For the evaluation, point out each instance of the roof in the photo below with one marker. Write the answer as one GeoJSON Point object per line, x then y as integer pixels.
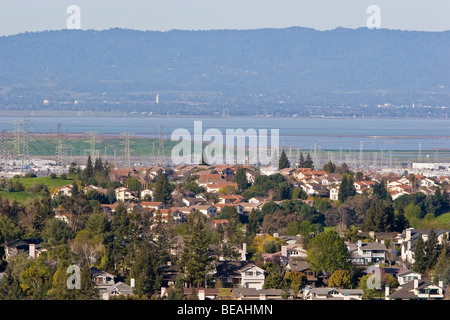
{"type": "Point", "coordinates": [150, 203]}
{"type": "Point", "coordinates": [230, 268]}
{"type": "Point", "coordinates": [253, 292]}
{"type": "Point", "coordinates": [121, 287]}
{"type": "Point", "coordinates": [406, 291]}
{"type": "Point", "coordinates": [298, 265]}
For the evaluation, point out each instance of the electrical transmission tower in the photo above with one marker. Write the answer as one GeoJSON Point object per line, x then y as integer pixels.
{"type": "Point", "coordinates": [16, 154]}
{"type": "Point", "coordinates": [59, 145]}
{"type": "Point", "coordinates": [126, 162]}
{"type": "Point", "coordinates": [161, 152]}
{"type": "Point", "coordinates": [93, 151]}
{"type": "Point", "coordinates": [4, 159]}
{"type": "Point", "coordinates": [25, 139]}
{"type": "Point", "coordinates": [361, 146]}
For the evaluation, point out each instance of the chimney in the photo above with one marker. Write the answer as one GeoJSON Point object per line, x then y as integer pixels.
{"type": "Point", "coordinates": [284, 251]}
{"type": "Point", "coordinates": [244, 252]}
{"type": "Point", "coordinates": [359, 244]}
{"type": "Point", "coordinates": [441, 287]}
{"type": "Point", "coordinates": [416, 283]}
{"type": "Point", "coordinates": [32, 250]}
{"type": "Point", "coordinates": [386, 292]}
{"type": "Point", "coordinates": [408, 234]}
{"type": "Point", "coordinates": [262, 296]}
{"type": "Point", "coordinates": [132, 283]}
{"type": "Point", "coordinates": [201, 294]}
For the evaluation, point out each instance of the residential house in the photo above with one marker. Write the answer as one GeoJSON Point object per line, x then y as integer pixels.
{"type": "Point", "coordinates": [117, 289]}
{"type": "Point", "coordinates": [30, 246]}
{"type": "Point", "coordinates": [191, 201]}
{"type": "Point", "coordinates": [241, 274]}
{"type": "Point", "coordinates": [407, 276]}
{"type": "Point", "coordinates": [418, 290]}
{"type": "Point", "coordinates": [146, 192]}
{"type": "Point", "coordinates": [102, 280]}
{"type": "Point", "coordinates": [259, 200]}
{"type": "Point", "coordinates": [260, 294]}
{"type": "Point", "coordinates": [334, 193]}
{"type": "Point", "coordinates": [225, 170]}
{"type": "Point", "coordinates": [95, 188]}
{"type": "Point", "coordinates": [409, 237]}
{"type": "Point", "coordinates": [237, 206]}
{"type": "Point", "coordinates": [64, 191]}
{"type": "Point", "coordinates": [124, 194]}
{"type": "Point", "coordinates": [233, 198]}
{"type": "Point", "coordinates": [363, 253]}
{"type": "Point", "coordinates": [293, 250]}
{"type": "Point", "coordinates": [333, 294]}
{"type": "Point", "coordinates": [208, 210]}
{"type": "Point", "coordinates": [215, 187]}
{"type": "Point", "coordinates": [302, 266]}
{"type": "Point", "coordinates": [153, 205]}
{"type": "Point", "coordinates": [169, 274]}
{"type": "Point", "coordinates": [248, 207]}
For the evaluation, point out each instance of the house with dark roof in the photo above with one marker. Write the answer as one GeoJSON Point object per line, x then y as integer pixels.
{"type": "Point", "coordinates": [302, 266]}
{"type": "Point", "coordinates": [408, 239]}
{"type": "Point", "coordinates": [363, 253]}
{"type": "Point", "coordinates": [418, 290]}
{"type": "Point", "coordinates": [239, 274]}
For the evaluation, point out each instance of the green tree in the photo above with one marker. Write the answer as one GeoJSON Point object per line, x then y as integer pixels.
{"type": "Point", "coordinates": [241, 179]}
{"type": "Point", "coordinates": [327, 253]}
{"type": "Point", "coordinates": [10, 287]}
{"type": "Point", "coordinates": [195, 260]}
{"type": "Point", "coordinates": [144, 271]}
{"type": "Point", "coordinates": [9, 231]}
{"type": "Point", "coordinates": [309, 163]}
{"type": "Point", "coordinates": [162, 190]}
{"type": "Point", "coordinates": [56, 232]}
{"type": "Point", "coordinates": [301, 161]}
{"type": "Point", "coordinates": [284, 161]}
{"type": "Point", "coordinates": [340, 279]}
{"type": "Point", "coordinates": [380, 190]}
{"type": "Point", "coordinates": [296, 280]}
{"type": "Point", "coordinates": [420, 263]}
{"type": "Point", "coordinates": [369, 293]}
{"type": "Point", "coordinates": [346, 189]}
{"type": "Point", "coordinates": [134, 184]}
{"type": "Point", "coordinates": [329, 167]}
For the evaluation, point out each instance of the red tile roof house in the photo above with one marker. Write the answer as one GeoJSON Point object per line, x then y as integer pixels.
{"type": "Point", "coordinates": [152, 205]}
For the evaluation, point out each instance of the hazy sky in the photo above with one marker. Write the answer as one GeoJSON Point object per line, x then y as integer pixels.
{"type": "Point", "coordinates": [18, 16]}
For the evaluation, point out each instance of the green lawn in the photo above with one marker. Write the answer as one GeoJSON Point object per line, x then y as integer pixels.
{"type": "Point", "coordinates": [19, 196]}
{"type": "Point", "coordinates": [444, 218]}
{"type": "Point", "coordinates": [49, 182]}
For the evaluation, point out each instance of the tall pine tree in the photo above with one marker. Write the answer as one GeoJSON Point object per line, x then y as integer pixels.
{"type": "Point", "coordinates": [284, 161]}
{"type": "Point", "coordinates": [301, 161]}
{"type": "Point", "coordinates": [309, 163]}
{"type": "Point", "coordinates": [162, 190]}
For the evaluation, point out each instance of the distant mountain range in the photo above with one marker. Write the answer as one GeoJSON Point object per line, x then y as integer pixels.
{"type": "Point", "coordinates": [277, 71]}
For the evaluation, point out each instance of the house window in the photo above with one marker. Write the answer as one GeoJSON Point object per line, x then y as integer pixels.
{"type": "Point", "coordinates": [249, 273]}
